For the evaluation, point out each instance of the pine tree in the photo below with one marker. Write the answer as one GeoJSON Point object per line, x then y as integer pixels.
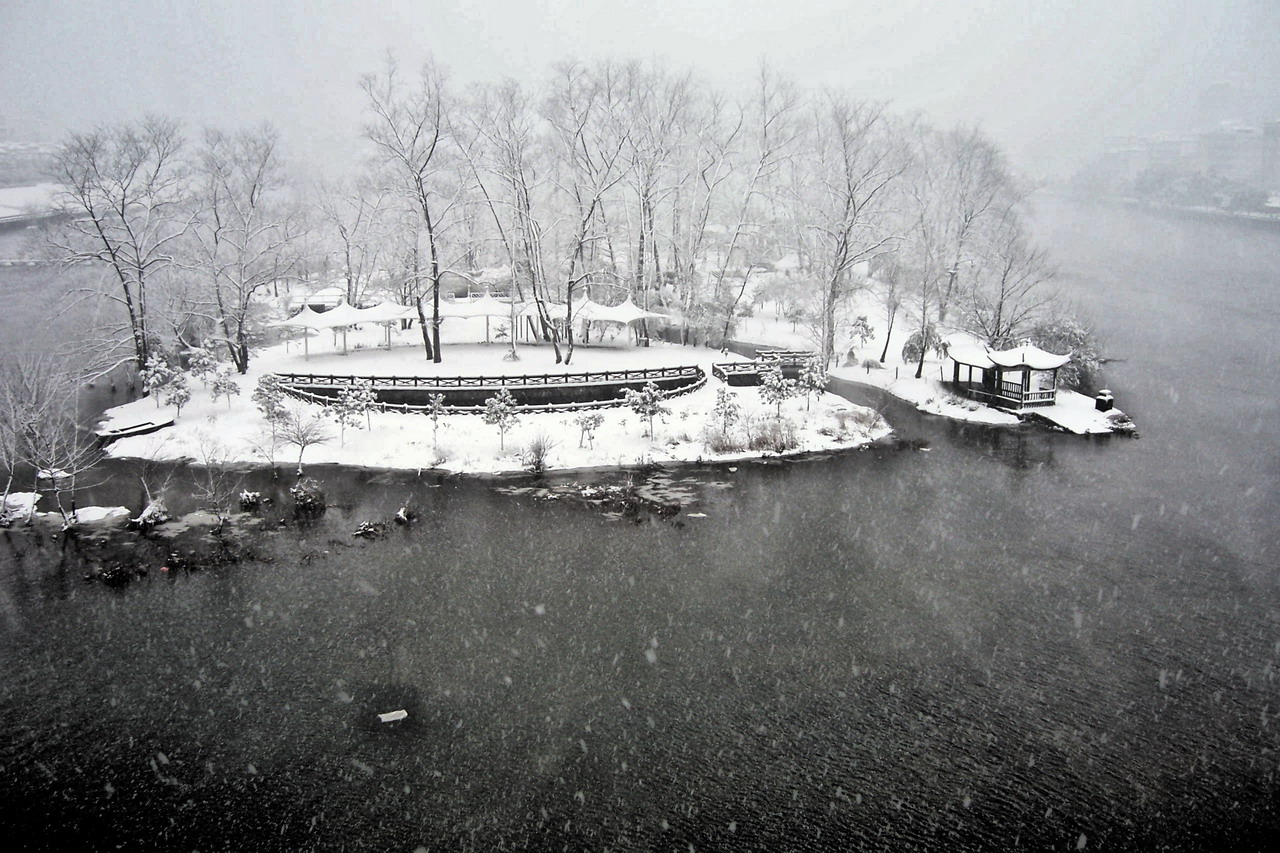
{"type": "Point", "coordinates": [647, 403]}
{"type": "Point", "coordinates": [726, 409]}
{"type": "Point", "coordinates": [224, 385]}
{"type": "Point", "coordinates": [813, 379]}
{"type": "Point", "coordinates": [176, 391]}
{"type": "Point", "coordinates": [500, 411]}
{"type": "Point", "coordinates": [434, 409]}
{"type": "Point", "coordinates": [775, 389]}
{"type": "Point", "coordinates": [588, 423]}
{"type": "Point", "coordinates": [155, 374]}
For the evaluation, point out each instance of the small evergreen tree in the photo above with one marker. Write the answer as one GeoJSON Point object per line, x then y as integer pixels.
{"type": "Point", "coordinates": [588, 423]}
{"type": "Point", "coordinates": [434, 409]}
{"type": "Point", "coordinates": [176, 391]}
{"type": "Point", "coordinates": [353, 401]}
{"type": "Point", "coordinates": [775, 389]}
{"type": "Point", "coordinates": [155, 374]}
{"type": "Point", "coordinates": [202, 362]}
{"type": "Point", "coordinates": [268, 397]}
{"type": "Point", "coordinates": [224, 385]}
{"type": "Point", "coordinates": [813, 379]}
{"type": "Point", "coordinates": [647, 403]}
{"type": "Point", "coordinates": [726, 409]}
{"type": "Point", "coordinates": [500, 411]}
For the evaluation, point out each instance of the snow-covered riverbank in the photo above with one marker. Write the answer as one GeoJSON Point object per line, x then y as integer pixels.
{"type": "Point", "coordinates": [234, 432]}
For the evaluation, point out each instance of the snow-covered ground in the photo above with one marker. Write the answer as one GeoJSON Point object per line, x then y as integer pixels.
{"type": "Point", "coordinates": [16, 201]}
{"type": "Point", "coordinates": [218, 432]}
{"type": "Point", "coordinates": [928, 394]}
{"type": "Point", "coordinates": [19, 506]}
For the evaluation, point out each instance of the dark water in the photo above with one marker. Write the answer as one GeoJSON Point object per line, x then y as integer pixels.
{"type": "Point", "coordinates": [1012, 640]}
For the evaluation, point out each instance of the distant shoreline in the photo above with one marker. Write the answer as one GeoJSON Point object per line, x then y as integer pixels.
{"type": "Point", "coordinates": [1212, 214]}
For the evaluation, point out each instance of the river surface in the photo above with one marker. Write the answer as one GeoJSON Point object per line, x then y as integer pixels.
{"type": "Point", "coordinates": [1009, 640]}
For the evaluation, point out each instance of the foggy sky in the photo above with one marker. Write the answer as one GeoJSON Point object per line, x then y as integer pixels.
{"type": "Point", "coordinates": [1047, 79]}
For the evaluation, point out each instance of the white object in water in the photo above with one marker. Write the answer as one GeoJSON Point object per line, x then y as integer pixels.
{"type": "Point", "coordinates": [392, 716]}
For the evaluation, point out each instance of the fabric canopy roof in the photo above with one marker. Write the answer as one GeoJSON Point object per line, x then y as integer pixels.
{"type": "Point", "coordinates": [385, 312]}
{"type": "Point", "coordinates": [627, 312]}
{"type": "Point", "coordinates": [305, 319]}
{"type": "Point", "coordinates": [345, 315]}
{"type": "Point", "coordinates": [485, 306]}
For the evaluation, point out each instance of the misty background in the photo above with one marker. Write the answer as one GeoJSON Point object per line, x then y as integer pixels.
{"type": "Point", "coordinates": [1052, 82]}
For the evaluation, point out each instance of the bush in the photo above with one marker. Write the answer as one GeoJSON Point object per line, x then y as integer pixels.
{"type": "Point", "coordinates": [872, 364]}
{"type": "Point", "coordinates": [911, 349]}
{"type": "Point", "coordinates": [862, 417]}
{"type": "Point", "coordinates": [775, 434]}
{"type": "Point", "coordinates": [1066, 334]}
{"type": "Point", "coordinates": [535, 453]}
{"type": "Point", "coordinates": [719, 441]}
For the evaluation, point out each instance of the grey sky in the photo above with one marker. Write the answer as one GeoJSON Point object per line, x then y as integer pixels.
{"type": "Point", "coordinates": [1045, 78]}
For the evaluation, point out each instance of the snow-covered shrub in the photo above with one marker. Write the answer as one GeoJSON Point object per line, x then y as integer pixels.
{"type": "Point", "coordinates": [588, 423]}
{"type": "Point", "coordinates": [775, 434]}
{"type": "Point", "coordinates": [1064, 334]}
{"type": "Point", "coordinates": [353, 402]}
{"type": "Point", "coordinates": [872, 364]}
{"type": "Point", "coordinates": [813, 379]}
{"type": "Point", "coordinates": [308, 499]}
{"type": "Point", "coordinates": [721, 441]}
{"type": "Point", "coordinates": [268, 396]}
{"type": "Point", "coordinates": [500, 411]}
{"type": "Point", "coordinates": [647, 403]}
{"type": "Point", "coordinates": [201, 362]}
{"type": "Point", "coordinates": [726, 410]}
{"type": "Point", "coordinates": [155, 374]}
{"type": "Point", "coordinates": [776, 390]}
{"type": "Point", "coordinates": [536, 453]}
{"type": "Point", "coordinates": [176, 392]}
{"type": "Point", "coordinates": [911, 350]}
{"type": "Point", "coordinates": [224, 384]}
{"type": "Point", "coordinates": [434, 409]}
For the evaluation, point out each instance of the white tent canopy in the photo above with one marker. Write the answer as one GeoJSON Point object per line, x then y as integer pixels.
{"type": "Point", "coordinates": [485, 306]}
{"type": "Point", "coordinates": [626, 313]}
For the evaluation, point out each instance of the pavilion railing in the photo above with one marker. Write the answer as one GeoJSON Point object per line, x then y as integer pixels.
{"type": "Point", "coordinates": [1008, 394]}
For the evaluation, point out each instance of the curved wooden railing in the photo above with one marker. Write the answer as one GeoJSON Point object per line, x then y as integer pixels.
{"type": "Point", "coordinates": [304, 386]}
{"type": "Point", "coordinates": [331, 380]}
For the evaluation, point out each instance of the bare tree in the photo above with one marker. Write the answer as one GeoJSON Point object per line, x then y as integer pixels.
{"type": "Point", "coordinates": [124, 189]}
{"type": "Point", "coordinates": [244, 230]}
{"type": "Point", "coordinates": [975, 182]}
{"type": "Point", "coordinates": [215, 486]}
{"type": "Point", "coordinates": [303, 427]}
{"type": "Point", "coordinates": [774, 106]}
{"type": "Point", "coordinates": [584, 110]}
{"type": "Point", "coordinates": [408, 130]}
{"type": "Point", "coordinates": [843, 197]}
{"type": "Point", "coordinates": [38, 427]}
{"type": "Point", "coordinates": [356, 216]}
{"type": "Point", "coordinates": [1009, 295]}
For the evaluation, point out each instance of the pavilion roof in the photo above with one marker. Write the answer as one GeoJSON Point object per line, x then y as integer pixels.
{"type": "Point", "coordinates": [1027, 355]}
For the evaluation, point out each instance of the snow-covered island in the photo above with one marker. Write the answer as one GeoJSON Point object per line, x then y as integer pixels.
{"type": "Point", "coordinates": [716, 422]}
